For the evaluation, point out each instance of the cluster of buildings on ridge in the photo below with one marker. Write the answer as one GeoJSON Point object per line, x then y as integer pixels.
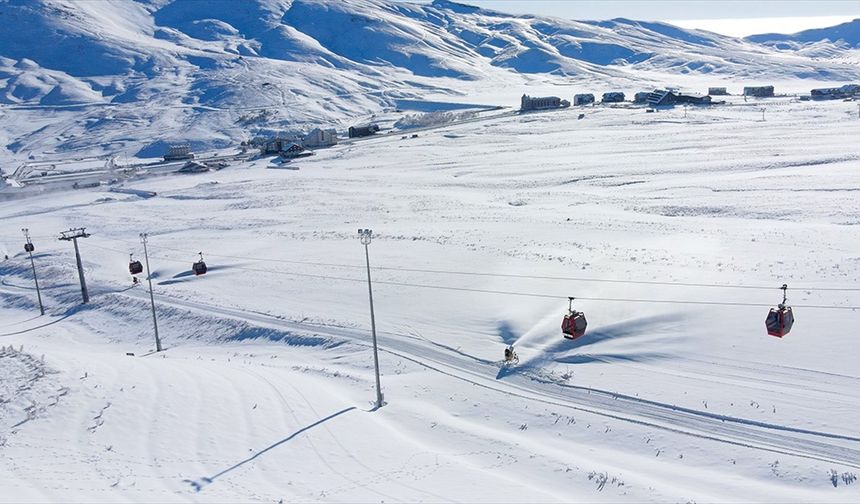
{"type": "Point", "coordinates": [282, 144]}
{"type": "Point", "coordinates": [290, 147]}
{"type": "Point", "coordinates": [673, 96]}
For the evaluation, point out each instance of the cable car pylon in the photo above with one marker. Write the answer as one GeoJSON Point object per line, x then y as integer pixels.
{"type": "Point", "coordinates": [72, 235]}
{"type": "Point", "coordinates": [143, 240]}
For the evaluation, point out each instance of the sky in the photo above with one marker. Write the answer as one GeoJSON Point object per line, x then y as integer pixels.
{"type": "Point", "coordinates": [728, 17]}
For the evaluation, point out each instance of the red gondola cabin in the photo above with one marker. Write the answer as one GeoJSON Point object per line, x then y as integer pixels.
{"type": "Point", "coordinates": [780, 319]}
{"type": "Point", "coordinates": [573, 325]}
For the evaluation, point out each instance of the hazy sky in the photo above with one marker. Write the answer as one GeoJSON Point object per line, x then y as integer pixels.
{"type": "Point", "coordinates": [730, 17]}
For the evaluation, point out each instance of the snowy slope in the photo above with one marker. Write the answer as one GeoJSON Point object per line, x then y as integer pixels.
{"type": "Point", "coordinates": [846, 33]}
{"type": "Point", "coordinates": [126, 76]}
{"type": "Point", "coordinates": [836, 44]}
{"type": "Point", "coordinates": [482, 230]}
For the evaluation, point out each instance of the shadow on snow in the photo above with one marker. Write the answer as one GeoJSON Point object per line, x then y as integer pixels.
{"type": "Point", "coordinates": [198, 485]}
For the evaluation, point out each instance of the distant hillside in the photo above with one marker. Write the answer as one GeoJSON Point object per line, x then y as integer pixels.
{"type": "Point", "coordinates": [845, 33]}
{"type": "Point", "coordinates": [125, 74]}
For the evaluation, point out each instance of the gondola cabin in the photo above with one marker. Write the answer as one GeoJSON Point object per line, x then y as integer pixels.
{"type": "Point", "coordinates": [135, 268]}
{"type": "Point", "coordinates": [780, 319]}
{"type": "Point", "coordinates": [199, 267]}
{"type": "Point", "coordinates": [573, 325]}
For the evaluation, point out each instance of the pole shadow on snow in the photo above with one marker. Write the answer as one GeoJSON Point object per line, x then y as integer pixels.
{"type": "Point", "coordinates": [202, 482]}
{"type": "Point", "coordinates": [63, 317]}
{"type": "Point", "coordinates": [25, 320]}
{"type": "Point", "coordinates": [564, 351]}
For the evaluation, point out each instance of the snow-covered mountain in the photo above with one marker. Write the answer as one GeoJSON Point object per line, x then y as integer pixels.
{"type": "Point", "coordinates": [840, 43]}
{"type": "Point", "coordinates": [847, 34]}
{"type": "Point", "coordinates": [213, 71]}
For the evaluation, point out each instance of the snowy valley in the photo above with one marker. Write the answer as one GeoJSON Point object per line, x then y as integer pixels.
{"type": "Point", "coordinates": [673, 229]}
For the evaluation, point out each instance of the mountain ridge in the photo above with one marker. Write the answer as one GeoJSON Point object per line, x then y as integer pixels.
{"type": "Point", "coordinates": [846, 33]}
{"type": "Point", "coordinates": [193, 67]}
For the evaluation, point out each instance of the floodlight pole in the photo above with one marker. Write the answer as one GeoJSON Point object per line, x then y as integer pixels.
{"type": "Point", "coordinates": [28, 246]}
{"type": "Point", "coordinates": [366, 235]}
{"type": "Point", "coordinates": [143, 237]}
{"type": "Point", "coordinates": [72, 235]}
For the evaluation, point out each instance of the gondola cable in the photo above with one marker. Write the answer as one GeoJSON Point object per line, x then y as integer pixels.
{"type": "Point", "coordinates": [522, 276]}
{"type": "Point", "coordinates": [510, 293]}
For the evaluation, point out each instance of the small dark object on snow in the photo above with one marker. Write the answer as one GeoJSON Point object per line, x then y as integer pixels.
{"type": "Point", "coordinates": [511, 356]}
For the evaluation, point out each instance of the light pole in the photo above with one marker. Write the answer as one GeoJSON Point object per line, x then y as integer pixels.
{"type": "Point", "coordinates": [366, 235]}
{"type": "Point", "coordinates": [151, 296]}
{"type": "Point", "coordinates": [28, 247]}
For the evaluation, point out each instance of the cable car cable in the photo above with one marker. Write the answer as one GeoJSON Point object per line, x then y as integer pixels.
{"type": "Point", "coordinates": [514, 293]}
{"type": "Point", "coordinates": [523, 276]}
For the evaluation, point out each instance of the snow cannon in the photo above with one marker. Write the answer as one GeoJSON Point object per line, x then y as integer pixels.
{"type": "Point", "coordinates": [511, 356]}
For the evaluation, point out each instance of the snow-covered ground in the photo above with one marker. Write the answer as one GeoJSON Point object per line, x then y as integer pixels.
{"type": "Point", "coordinates": [482, 230]}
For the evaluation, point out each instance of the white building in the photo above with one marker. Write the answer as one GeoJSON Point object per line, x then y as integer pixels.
{"type": "Point", "coordinates": [320, 138]}
{"type": "Point", "coordinates": [542, 102]}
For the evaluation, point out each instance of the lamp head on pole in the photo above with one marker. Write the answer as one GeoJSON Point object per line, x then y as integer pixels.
{"type": "Point", "coordinates": [366, 235]}
{"type": "Point", "coordinates": [28, 245]}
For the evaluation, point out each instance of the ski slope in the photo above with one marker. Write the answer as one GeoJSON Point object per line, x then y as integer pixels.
{"type": "Point", "coordinates": [673, 232]}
